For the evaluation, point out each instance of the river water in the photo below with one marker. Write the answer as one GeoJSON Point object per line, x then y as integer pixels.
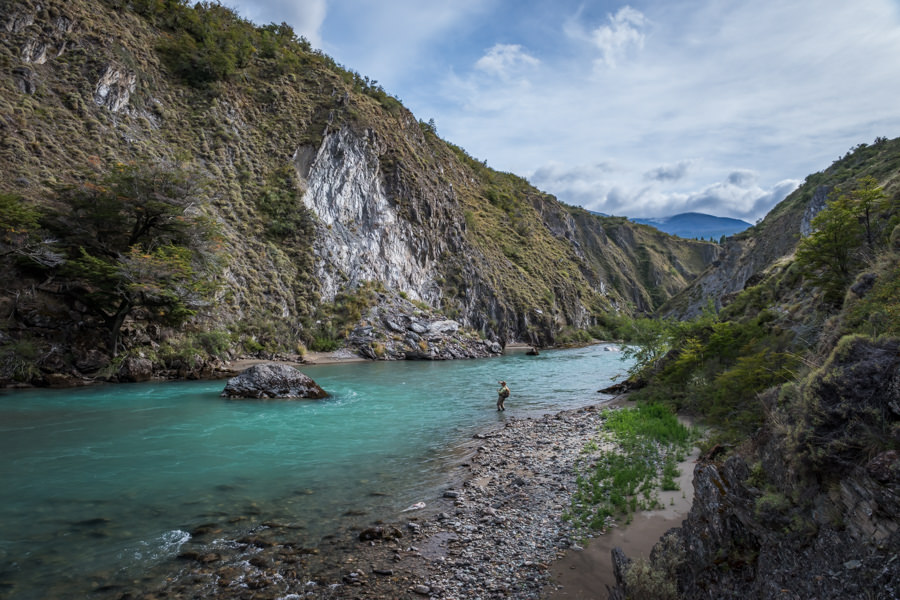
{"type": "Point", "coordinates": [107, 482]}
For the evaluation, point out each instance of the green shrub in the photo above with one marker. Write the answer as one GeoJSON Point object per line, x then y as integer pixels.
{"type": "Point", "coordinates": [656, 579]}
{"type": "Point", "coordinates": [181, 353]}
{"type": "Point", "coordinates": [285, 215]}
{"type": "Point", "coordinates": [325, 342]}
{"type": "Point", "coordinates": [648, 440]}
{"type": "Point", "coordinates": [214, 343]}
{"type": "Point", "coordinates": [19, 360]}
{"type": "Point", "coordinates": [844, 417]}
{"type": "Point", "coordinates": [878, 311]}
{"type": "Point", "coordinates": [570, 335]}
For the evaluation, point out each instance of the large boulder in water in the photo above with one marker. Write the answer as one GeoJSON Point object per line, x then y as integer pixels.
{"type": "Point", "coordinates": [272, 381]}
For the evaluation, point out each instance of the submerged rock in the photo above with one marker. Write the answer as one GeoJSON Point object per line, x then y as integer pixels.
{"type": "Point", "coordinates": [272, 381]}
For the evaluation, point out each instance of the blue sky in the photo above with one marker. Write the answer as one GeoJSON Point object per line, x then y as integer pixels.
{"type": "Point", "coordinates": [647, 108]}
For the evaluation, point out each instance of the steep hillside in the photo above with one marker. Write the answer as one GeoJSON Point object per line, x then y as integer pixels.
{"type": "Point", "coordinates": [745, 256]}
{"type": "Point", "coordinates": [798, 492]}
{"type": "Point", "coordinates": [317, 209]}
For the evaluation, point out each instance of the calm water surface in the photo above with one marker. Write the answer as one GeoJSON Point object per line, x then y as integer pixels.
{"type": "Point", "coordinates": [110, 479]}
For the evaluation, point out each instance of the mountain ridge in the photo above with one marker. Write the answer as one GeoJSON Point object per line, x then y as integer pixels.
{"type": "Point", "coordinates": [328, 196]}
{"type": "Point", "coordinates": [695, 225]}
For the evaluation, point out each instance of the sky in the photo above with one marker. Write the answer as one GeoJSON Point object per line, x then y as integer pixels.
{"type": "Point", "coordinates": [644, 108]}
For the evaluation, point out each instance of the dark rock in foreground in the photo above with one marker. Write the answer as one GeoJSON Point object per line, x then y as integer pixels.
{"type": "Point", "coordinates": [809, 510]}
{"type": "Point", "coordinates": [135, 369]}
{"type": "Point", "coordinates": [272, 381]}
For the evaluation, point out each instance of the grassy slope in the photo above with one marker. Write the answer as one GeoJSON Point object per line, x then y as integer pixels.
{"type": "Point", "coordinates": [242, 130]}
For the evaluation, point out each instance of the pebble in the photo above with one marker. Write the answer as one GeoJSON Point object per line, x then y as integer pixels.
{"type": "Point", "coordinates": [496, 540]}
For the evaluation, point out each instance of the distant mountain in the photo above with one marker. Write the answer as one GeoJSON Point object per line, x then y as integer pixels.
{"type": "Point", "coordinates": [696, 225]}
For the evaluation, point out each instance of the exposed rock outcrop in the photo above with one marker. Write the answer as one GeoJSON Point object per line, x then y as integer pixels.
{"type": "Point", "coordinates": [812, 512]}
{"type": "Point", "coordinates": [396, 329]}
{"type": "Point", "coordinates": [317, 186]}
{"type": "Point", "coordinates": [272, 381]}
{"type": "Point", "coordinates": [135, 369]}
{"type": "Point", "coordinates": [114, 88]}
{"type": "Point", "coordinates": [745, 256]}
{"type": "Point", "coordinates": [361, 236]}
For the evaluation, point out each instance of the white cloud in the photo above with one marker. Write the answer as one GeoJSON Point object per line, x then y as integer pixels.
{"type": "Point", "coordinates": [504, 59]}
{"type": "Point", "coordinates": [724, 108]}
{"type": "Point", "coordinates": [621, 35]}
{"type": "Point", "coordinates": [603, 188]}
{"type": "Point", "coordinates": [739, 200]}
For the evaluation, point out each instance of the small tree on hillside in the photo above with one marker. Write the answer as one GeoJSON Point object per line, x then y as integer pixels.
{"type": "Point", "coordinates": [137, 239]}
{"type": "Point", "coordinates": [870, 199]}
{"type": "Point", "coordinates": [832, 254]}
{"type": "Point", "coordinates": [21, 236]}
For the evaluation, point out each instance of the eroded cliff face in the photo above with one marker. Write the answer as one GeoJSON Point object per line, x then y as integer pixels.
{"type": "Point", "coordinates": [359, 234]}
{"type": "Point", "coordinates": [391, 205]}
{"type": "Point", "coordinates": [745, 257]}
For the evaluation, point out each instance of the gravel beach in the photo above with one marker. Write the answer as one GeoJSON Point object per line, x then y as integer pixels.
{"type": "Point", "coordinates": [495, 532]}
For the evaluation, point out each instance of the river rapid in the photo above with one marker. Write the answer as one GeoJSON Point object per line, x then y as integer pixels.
{"type": "Point", "coordinates": [108, 483]}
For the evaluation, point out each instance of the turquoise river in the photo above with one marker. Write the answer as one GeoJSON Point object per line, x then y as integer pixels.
{"type": "Point", "coordinates": [108, 481]}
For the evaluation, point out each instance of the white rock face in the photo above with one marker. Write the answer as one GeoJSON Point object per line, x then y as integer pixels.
{"type": "Point", "coordinates": [445, 327]}
{"type": "Point", "coordinates": [115, 88]}
{"type": "Point", "coordinates": [361, 237]}
{"type": "Point", "coordinates": [34, 51]}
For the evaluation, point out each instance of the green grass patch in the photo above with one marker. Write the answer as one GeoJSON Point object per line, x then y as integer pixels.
{"type": "Point", "coordinates": [648, 442]}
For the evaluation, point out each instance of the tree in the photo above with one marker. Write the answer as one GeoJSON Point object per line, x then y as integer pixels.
{"type": "Point", "coordinates": [869, 198]}
{"type": "Point", "coordinates": [137, 239]}
{"type": "Point", "coordinates": [21, 235]}
{"type": "Point", "coordinates": [830, 253]}
{"type": "Point", "coordinates": [648, 341]}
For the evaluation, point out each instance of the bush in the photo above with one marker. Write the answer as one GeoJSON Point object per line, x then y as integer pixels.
{"type": "Point", "coordinates": [210, 43]}
{"type": "Point", "coordinates": [878, 311]}
{"type": "Point", "coordinates": [19, 361]}
{"type": "Point", "coordinates": [713, 368]}
{"type": "Point", "coordinates": [215, 343]}
{"type": "Point", "coordinates": [284, 214]}
{"type": "Point", "coordinates": [181, 353]}
{"type": "Point", "coordinates": [325, 342]}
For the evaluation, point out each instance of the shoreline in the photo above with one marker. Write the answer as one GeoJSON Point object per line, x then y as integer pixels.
{"type": "Point", "coordinates": [494, 531]}
{"type": "Point", "coordinates": [234, 367]}
{"type": "Point", "coordinates": [585, 574]}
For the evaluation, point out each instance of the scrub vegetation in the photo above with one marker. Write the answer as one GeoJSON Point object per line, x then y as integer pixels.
{"type": "Point", "coordinates": [795, 379]}
{"type": "Point", "coordinates": [194, 93]}
{"type": "Point", "coordinates": [635, 454]}
{"type": "Point", "coordinates": [842, 280]}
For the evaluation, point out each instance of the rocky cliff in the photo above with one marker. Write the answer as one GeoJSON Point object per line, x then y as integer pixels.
{"type": "Point", "coordinates": [800, 498]}
{"type": "Point", "coordinates": [746, 257]}
{"type": "Point", "coordinates": [809, 509]}
{"type": "Point", "coordinates": [321, 186]}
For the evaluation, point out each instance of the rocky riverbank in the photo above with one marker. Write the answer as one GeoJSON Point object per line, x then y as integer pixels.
{"type": "Point", "coordinates": [492, 533]}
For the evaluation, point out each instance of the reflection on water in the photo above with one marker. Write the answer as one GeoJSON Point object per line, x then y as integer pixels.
{"type": "Point", "coordinates": [105, 481]}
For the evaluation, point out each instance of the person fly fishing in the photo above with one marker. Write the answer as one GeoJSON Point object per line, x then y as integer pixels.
{"type": "Point", "coordinates": [502, 395]}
